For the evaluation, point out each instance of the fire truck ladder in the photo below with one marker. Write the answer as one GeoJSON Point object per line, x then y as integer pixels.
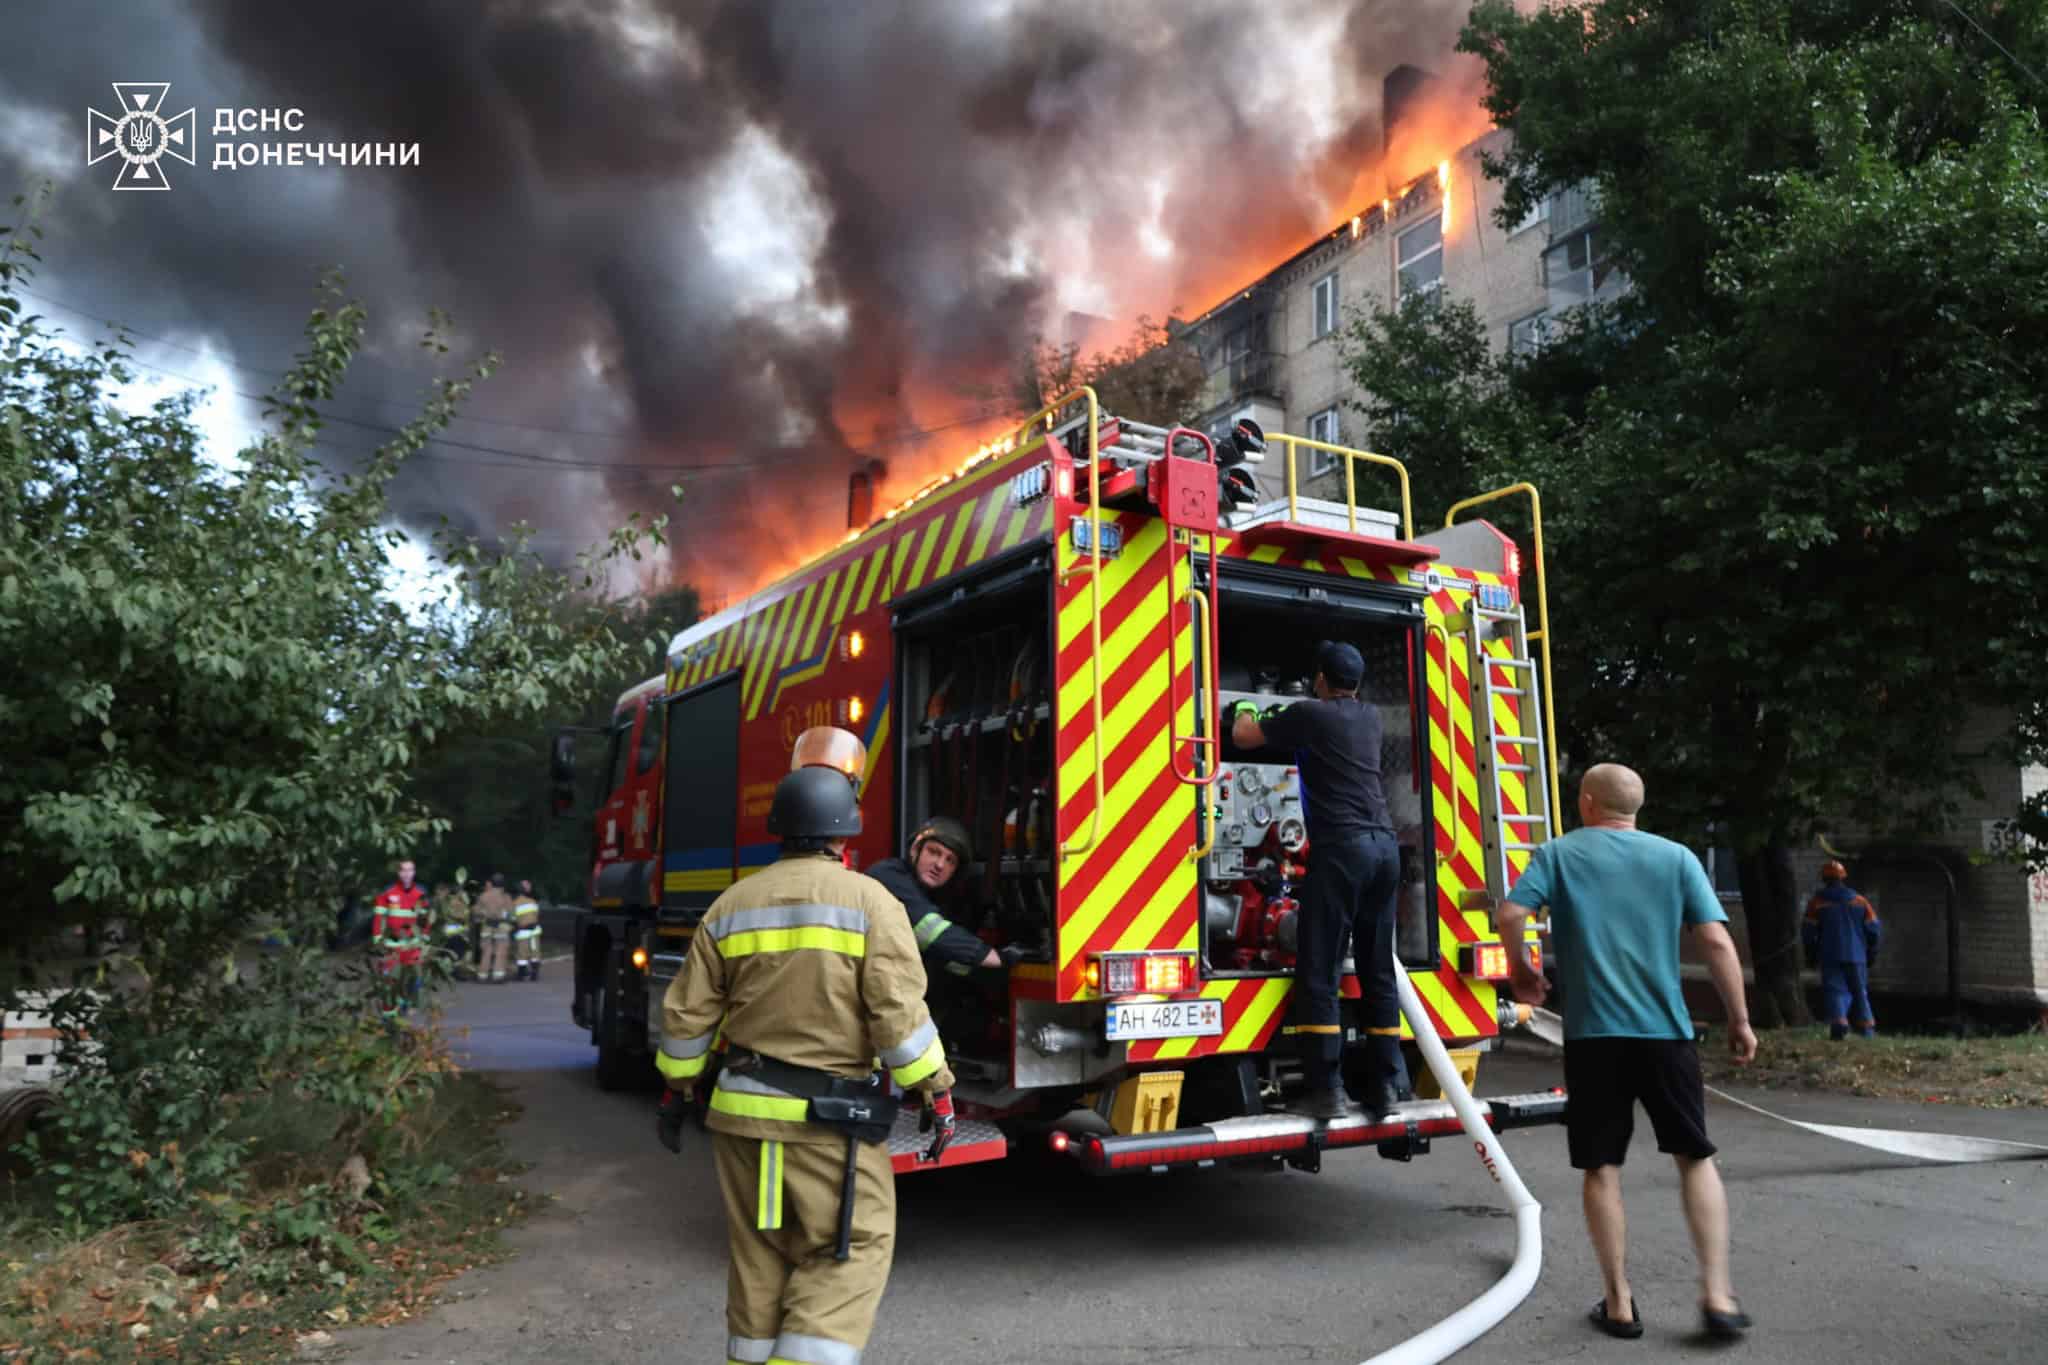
{"type": "Point", "coordinates": [1525, 755]}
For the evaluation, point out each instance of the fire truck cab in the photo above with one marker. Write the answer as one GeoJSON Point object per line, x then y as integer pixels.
{"type": "Point", "coordinates": [1042, 646]}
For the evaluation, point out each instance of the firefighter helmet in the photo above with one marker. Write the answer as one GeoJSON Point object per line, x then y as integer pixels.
{"type": "Point", "coordinates": [828, 746]}
{"type": "Point", "coordinates": [1833, 871]}
{"type": "Point", "coordinates": [814, 803]}
{"type": "Point", "coordinates": [947, 833]}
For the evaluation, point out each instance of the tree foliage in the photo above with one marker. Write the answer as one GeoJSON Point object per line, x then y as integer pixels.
{"type": "Point", "coordinates": [1152, 377]}
{"type": "Point", "coordinates": [490, 784]}
{"type": "Point", "coordinates": [213, 708]}
{"type": "Point", "coordinates": [1796, 472]}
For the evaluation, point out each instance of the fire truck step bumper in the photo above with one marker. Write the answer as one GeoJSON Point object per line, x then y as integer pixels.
{"type": "Point", "coordinates": [973, 1140]}
{"type": "Point", "coordinates": [1284, 1135]}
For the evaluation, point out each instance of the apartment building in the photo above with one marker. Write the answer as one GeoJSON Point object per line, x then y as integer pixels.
{"type": "Point", "coordinates": [1272, 351]}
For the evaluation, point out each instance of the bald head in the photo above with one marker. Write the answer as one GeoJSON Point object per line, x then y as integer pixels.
{"type": "Point", "coordinates": [1610, 794]}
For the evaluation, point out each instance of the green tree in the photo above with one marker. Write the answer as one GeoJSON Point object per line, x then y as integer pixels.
{"type": "Point", "coordinates": [491, 786]}
{"type": "Point", "coordinates": [1152, 377]}
{"type": "Point", "coordinates": [1794, 471]}
{"type": "Point", "coordinates": [211, 704]}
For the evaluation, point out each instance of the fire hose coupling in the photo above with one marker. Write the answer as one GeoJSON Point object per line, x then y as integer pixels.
{"type": "Point", "coordinates": [1050, 1040]}
{"type": "Point", "coordinates": [1513, 1014]}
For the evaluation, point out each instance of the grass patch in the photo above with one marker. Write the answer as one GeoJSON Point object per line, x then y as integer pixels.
{"type": "Point", "coordinates": [315, 1243]}
{"type": "Point", "coordinates": [1991, 1073]}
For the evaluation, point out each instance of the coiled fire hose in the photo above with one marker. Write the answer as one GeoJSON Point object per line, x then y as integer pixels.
{"type": "Point", "coordinates": [1478, 1317]}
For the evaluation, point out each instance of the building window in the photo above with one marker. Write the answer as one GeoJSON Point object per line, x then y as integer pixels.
{"type": "Point", "coordinates": [1527, 335]}
{"type": "Point", "coordinates": [1323, 427]}
{"type": "Point", "coordinates": [1323, 307]}
{"type": "Point", "coordinates": [1575, 268]}
{"type": "Point", "coordinates": [1725, 872]}
{"type": "Point", "coordinates": [1419, 258]}
{"type": "Point", "coordinates": [1539, 212]}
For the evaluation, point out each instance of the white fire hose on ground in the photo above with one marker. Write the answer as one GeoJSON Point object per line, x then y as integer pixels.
{"type": "Point", "coordinates": [1478, 1317]}
{"type": "Point", "coordinates": [1481, 1315]}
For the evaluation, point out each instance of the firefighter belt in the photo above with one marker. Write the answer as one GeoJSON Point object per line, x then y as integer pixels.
{"type": "Point", "coordinates": [863, 1110]}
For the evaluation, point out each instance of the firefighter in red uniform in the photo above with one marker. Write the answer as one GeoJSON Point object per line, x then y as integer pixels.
{"type": "Point", "coordinates": [395, 928]}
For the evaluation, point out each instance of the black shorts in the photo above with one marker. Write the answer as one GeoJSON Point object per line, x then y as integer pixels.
{"type": "Point", "coordinates": [1607, 1077]}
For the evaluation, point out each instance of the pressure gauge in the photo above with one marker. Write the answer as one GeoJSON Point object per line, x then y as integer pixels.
{"type": "Point", "coordinates": [1250, 783]}
{"type": "Point", "coordinates": [1233, 834]}
{"type": "Point", "coordinates": [1293, 834]}
{"type": "Point", "coordinates": [1262, 814]}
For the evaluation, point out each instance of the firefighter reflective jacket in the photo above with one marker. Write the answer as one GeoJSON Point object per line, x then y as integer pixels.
{"type": "Point", "coordinates": [1841, 925]}
{"type": "Point", "coordinates": [396, 924]}
{"type": "Point", "coordinates": [812, 965]}
{"type": "Point", "coordinates": [941, 940]}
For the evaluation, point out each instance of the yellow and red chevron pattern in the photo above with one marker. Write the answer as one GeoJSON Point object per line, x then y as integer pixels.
{"type": "Point", "coordinates": [1465, 1007]}
{"type": "Point", "coordinates": [1292, 557]}
{"type": "Point", "coordinates": [1133, 886]}
{"type": "Point", "coordinates": [1253, 1010]}
{"type": "Point", "coordinates": [785, 635]}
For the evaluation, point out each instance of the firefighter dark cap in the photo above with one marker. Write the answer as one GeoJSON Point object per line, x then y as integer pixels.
{"type": "Point", "coordinates": [1342, 666]}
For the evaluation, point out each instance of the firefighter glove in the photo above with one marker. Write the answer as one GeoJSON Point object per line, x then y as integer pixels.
{"type": "Point", "coordinates": [1243, 708]}
{"type": "Point", "coordinates": [938, 1115]}
{"type": "Point", "coordinates": [669, 1119]}
{"type": "Point", "coordinates": [1012, 954]}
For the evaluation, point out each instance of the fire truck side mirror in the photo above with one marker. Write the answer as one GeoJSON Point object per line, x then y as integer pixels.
{"type": "Point", "coordinates": [562, 773]}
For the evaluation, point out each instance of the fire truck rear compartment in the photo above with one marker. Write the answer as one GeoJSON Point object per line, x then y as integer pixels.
{"type": "Point", "coordinates": [1270, 630]}
{"type": "Point", "coordinates": [977, 745]}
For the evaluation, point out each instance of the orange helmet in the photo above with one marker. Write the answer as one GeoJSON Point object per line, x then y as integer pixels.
{"type": "Point", "coordinates": [1832, 871]}
{"type": "Point", "coordinates": [828, 746]}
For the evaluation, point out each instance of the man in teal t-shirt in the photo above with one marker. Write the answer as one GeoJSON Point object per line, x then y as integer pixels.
{"type": "Point", "coordinates": [1618, 899]}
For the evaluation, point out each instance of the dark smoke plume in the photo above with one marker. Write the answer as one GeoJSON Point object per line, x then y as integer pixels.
{"type": "Point", "coordinates": [764, 242]}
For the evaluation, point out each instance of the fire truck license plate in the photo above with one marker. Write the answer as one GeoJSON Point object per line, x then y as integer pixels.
{"type": "Point", "coordinates": [1165, 1019]}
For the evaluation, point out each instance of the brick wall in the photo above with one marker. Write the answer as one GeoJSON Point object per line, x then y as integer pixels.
{"type": "Point", "coordinates": [2003, 914]}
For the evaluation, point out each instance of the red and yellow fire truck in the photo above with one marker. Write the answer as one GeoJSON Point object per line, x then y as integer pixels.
{"type": "Point", "coordinates": [1042, 646]}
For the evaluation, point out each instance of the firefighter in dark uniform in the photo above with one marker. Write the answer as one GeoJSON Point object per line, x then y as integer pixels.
{"type": "Point", "coordinates": [1354, 871]}
{"type": "Point", "coordinates": [938, 852]}
{"type": "Point", "coordinates": [809, 972]}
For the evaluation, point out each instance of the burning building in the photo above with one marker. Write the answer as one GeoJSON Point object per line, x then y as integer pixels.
{"type": "Point", "coordinates": [1427, 224]}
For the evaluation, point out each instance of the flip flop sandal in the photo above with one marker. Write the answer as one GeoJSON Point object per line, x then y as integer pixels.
{"type": "Point", "coordinates": [1724, 1326]}
{"type": "Point", "coordinates": [1627, 1331]}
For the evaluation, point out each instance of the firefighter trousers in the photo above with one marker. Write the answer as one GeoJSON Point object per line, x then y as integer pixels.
{"type": "Point", "coordinates": [787, 1300]}
{"type": "Point", "coordinates": [497, 940]}
{"type": "Point", "coordinates": [1352, 881]}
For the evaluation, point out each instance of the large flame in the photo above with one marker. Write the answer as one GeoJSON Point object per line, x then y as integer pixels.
{"type": "Point", "coordinates": [1446, 119]}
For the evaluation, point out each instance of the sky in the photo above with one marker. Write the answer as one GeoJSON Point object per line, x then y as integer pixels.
{"type": "Point", "coordinates": [742, 247]}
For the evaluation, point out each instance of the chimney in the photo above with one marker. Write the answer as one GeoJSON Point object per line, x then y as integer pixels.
{"type": "Point", "coordinates": [1401, 92]}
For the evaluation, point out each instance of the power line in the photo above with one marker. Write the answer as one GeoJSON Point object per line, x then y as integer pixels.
{"type": "Point", "coordinates": [1971, 20]}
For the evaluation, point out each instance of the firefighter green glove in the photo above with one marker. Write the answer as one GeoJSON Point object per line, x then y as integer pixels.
{"type": "Point", "coordinates": [1242, 708]}
{"type": "Point", "coordinates": [669, 1119]}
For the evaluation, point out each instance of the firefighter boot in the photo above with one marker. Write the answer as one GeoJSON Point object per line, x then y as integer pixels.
{"type": "Point", "coordinates": [521, 969]}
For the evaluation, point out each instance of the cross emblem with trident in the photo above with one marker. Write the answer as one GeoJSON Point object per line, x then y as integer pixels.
{"type": "Point", "coordinates": [141, 135]}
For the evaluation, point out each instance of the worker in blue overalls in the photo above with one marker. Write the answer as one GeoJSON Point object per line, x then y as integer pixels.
{"type": "Point", "coordinates": [1842, 931]}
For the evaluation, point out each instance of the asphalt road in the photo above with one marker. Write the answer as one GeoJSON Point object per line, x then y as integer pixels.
{"type": "Point", "coordinates": [1841, 1254]}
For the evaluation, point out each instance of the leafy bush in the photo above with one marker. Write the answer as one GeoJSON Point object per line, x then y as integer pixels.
{"type": "Point", "coordinates": [212, 705]}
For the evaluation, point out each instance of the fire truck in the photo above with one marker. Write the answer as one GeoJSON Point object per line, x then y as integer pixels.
{"type": "Point", "coordinates": [1042, 645]}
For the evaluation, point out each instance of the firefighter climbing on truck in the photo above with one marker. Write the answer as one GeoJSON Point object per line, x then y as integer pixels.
{"type": "Point", "coordinates": [1042, 649]}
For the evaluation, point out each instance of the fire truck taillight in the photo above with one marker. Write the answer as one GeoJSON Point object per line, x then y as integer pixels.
{"type": "Point", "coordinates": [1143, 974]}
{"type": "Point", "coordinates": [1514, 560]}
{"type": "Point", "coordinates": [852, 711]}
{"type": "Point", "coordinates": [639, 959]}
{"type": "Point", "coordinates": [853, 646]}
{"type": "Point", "coordinates": [1489, 961]}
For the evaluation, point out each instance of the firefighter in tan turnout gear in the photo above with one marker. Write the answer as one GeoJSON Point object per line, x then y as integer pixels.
{"type": "Point", "coordinates": [810, 972]}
